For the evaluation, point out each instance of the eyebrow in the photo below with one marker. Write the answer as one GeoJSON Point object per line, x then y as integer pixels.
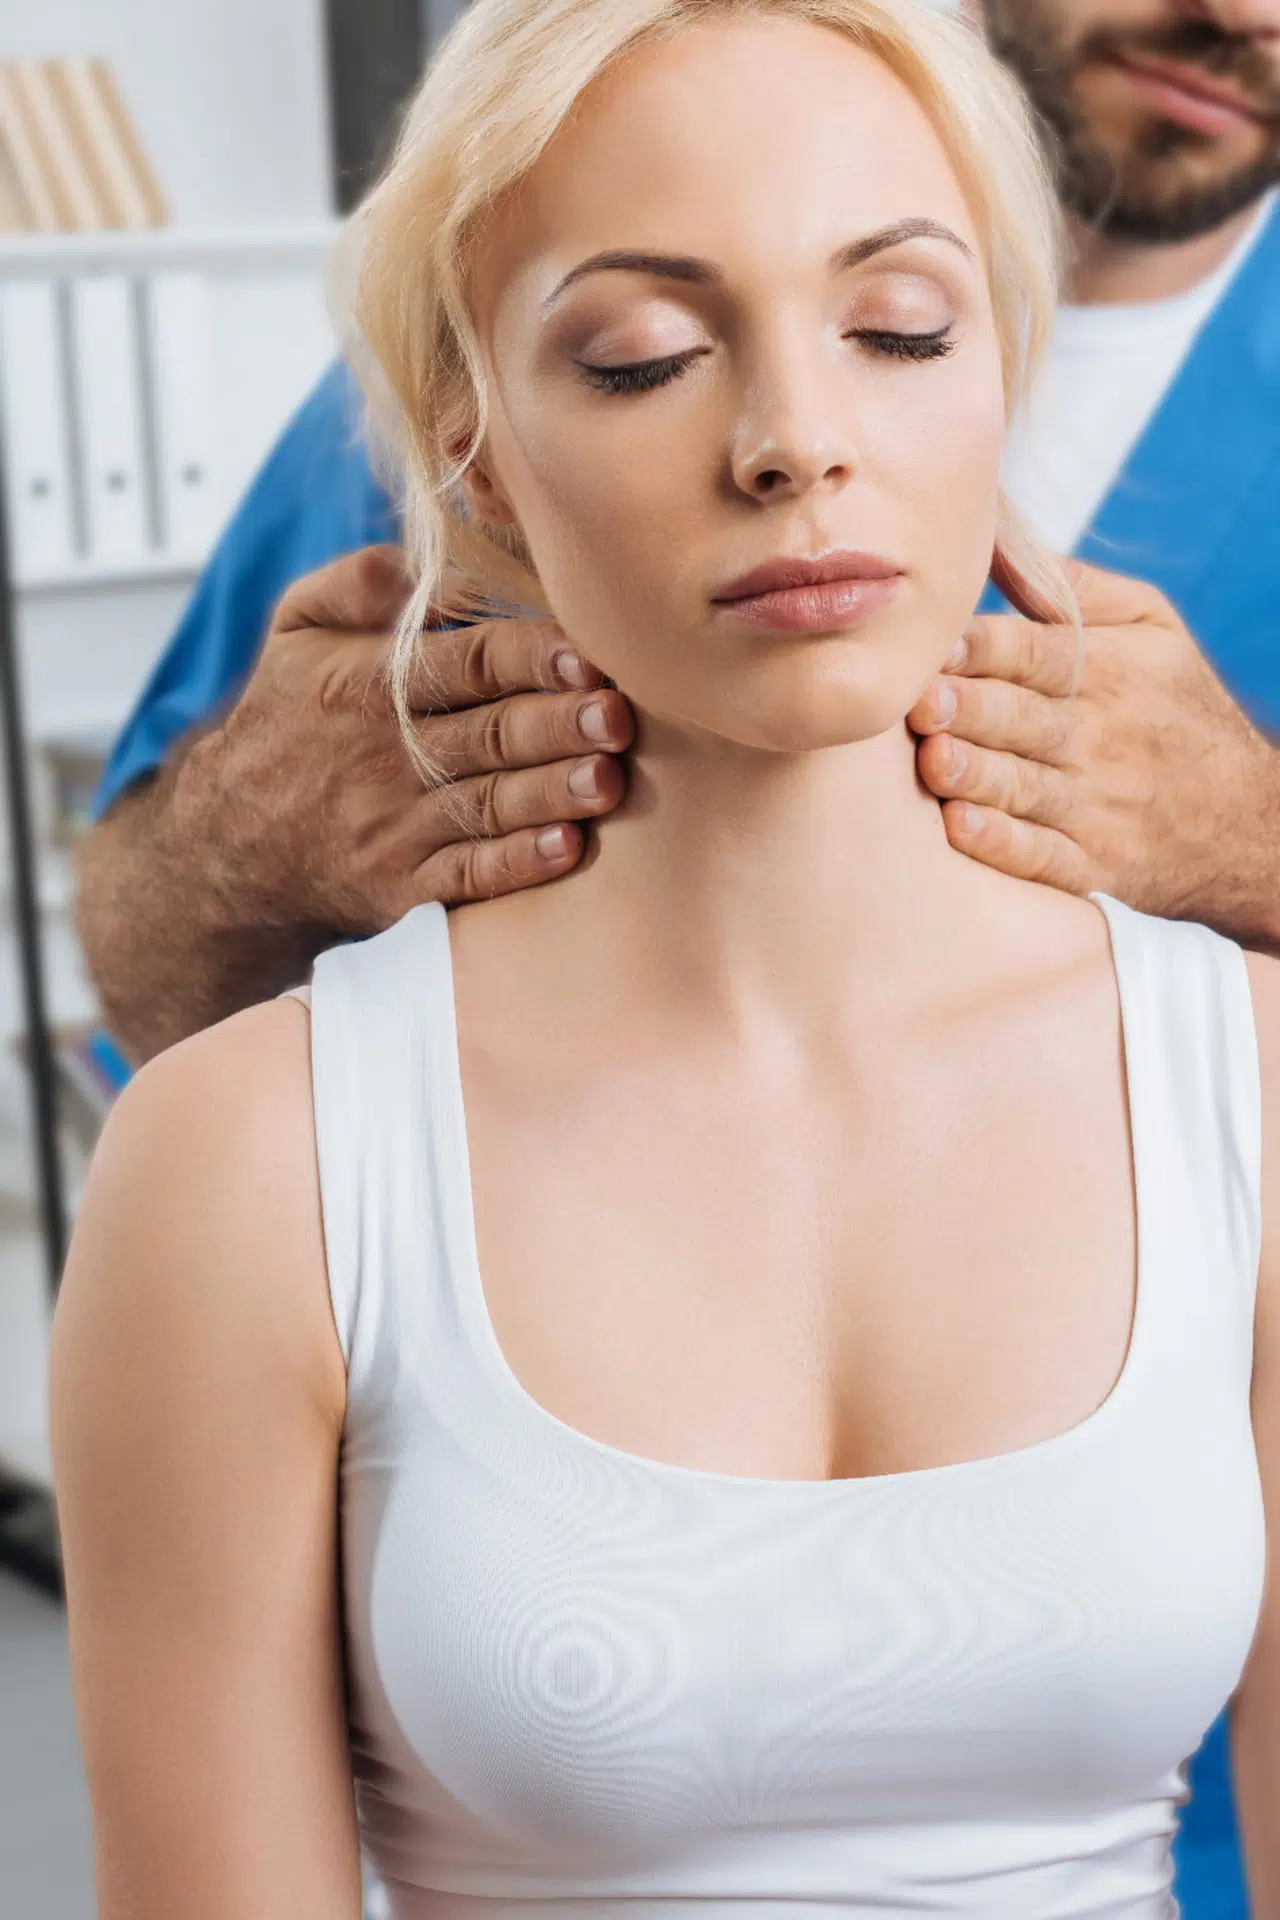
{"type": "Point", "coordinates": [701, 273]}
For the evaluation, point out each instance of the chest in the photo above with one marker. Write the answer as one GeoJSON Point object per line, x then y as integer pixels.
{"type": "Point", "coordinates": [728, 1265]}
{"type": "Point", "coordinates": [626, 1665]}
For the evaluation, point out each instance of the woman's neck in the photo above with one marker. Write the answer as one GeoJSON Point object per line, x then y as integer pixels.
{"type": "Point", "coordinates": [731, 879]}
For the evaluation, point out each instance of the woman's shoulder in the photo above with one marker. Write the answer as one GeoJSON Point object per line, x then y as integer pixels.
{"type": "Point", "coordinates": [210, 1108]}
{"type": "Point", "coordinates": [200, 1231]}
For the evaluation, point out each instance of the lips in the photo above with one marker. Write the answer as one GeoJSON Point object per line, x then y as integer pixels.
{"type": "Point", "coordinates": [1189, 97]}
{"type": "Point", "coordinates": [825, 595]}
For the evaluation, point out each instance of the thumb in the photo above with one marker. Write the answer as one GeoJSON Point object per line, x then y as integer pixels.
{"type": "Point", "coordinates": [1023, 597]}
{"type": "Point", "coordinates": [363, 592]}
{"type": "Point", "coordinates": [1104, 599]}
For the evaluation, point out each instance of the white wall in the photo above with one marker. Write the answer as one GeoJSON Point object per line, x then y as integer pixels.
{"type": "Point", "coordinates": [228, 95]}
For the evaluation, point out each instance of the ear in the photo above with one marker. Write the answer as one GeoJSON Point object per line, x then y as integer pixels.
{"type": "Point", "coordinates": [486, 500]}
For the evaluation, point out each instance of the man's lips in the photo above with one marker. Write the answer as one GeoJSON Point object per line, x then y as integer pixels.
{"type": "Point", "coordinates": [1190, 98]}
{"type": "Point", "coordinates": [811, 596]}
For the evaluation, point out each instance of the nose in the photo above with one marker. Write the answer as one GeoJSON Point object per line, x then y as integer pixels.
{"type": "Point", "coordinates": [790, 440]}
{"type": "Point", "coordinates": [1235, 16]}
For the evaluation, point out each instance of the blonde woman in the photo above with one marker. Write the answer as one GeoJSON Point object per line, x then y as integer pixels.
{"type": "Point", "coordinates": [692, 1388]}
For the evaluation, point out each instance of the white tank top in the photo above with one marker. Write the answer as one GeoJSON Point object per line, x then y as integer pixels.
{"type": "Point", "coordinates": [587, 1683]}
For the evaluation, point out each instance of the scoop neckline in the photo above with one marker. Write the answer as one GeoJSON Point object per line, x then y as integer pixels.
{"type": "Point", "coordinates": [464, 1259]}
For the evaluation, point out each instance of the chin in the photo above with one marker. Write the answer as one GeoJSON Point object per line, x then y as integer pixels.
{"type": "Point", "coordinates": [811, 725]}
{"type": "Point", "coordinates": [829, 699]}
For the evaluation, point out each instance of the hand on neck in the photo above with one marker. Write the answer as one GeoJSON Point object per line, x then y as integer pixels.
{"type": "Point", "coordinates": [735, 883]}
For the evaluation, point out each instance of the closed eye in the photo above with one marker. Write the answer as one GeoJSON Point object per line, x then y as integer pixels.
{"type": "Point", "coordinates": [641, 376]}
{"type": "Point", "coordinates": [907, 346]}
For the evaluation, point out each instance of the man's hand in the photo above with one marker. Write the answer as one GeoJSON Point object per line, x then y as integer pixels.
{"type": "Point", "coordinates": [300, 816]}
{"type": "Point", "coordinates": [322, 818]}
{"type": "Point", "coordinates": [1128, 770]}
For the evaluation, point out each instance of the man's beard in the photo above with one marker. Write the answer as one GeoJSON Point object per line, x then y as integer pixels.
{"type": "Point", "coordinates": [1140, 193]}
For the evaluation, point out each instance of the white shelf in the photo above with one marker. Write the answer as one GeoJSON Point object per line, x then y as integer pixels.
{"type": "Point", "coordinates": [295, 245]}
{"type": "Point", "coordinates": [86, 576]}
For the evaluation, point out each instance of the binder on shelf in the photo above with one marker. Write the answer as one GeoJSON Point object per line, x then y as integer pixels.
{"type": "Point", "coordinates": [110, 431]}
{"type": "Point", "coordinates": [70, 157]}
{"type": "Point", "coordinates": [33, 400]}
{"type": "Point", "coordinates": [179, 314]}
{"type": "Point", "coordinates": [15, 215]}
{"type": "Point", "coordinates": [125, 184]}
{"type": "Point", "coordinates": [69, 179]}
{"type": "Point", "coordinates": [24, 160]}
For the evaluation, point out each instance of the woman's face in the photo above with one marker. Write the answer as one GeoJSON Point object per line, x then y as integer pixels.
{"type": "Point", "coordinates": [736, 319]}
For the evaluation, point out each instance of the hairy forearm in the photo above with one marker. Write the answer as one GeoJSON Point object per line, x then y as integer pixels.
{"type": "Point", "coordinates": [174, 937]}
{"type": "Point", "coordinates": [1241, 898]}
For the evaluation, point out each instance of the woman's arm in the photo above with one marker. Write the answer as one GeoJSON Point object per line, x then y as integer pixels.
{"type": "Point", "coordinates": [1256, 1716]}
{"type": "Point", "coordinates": [198, 1394]}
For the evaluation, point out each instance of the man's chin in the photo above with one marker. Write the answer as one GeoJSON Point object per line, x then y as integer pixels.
{"type": "Point", "coordinates": [1163, 202]}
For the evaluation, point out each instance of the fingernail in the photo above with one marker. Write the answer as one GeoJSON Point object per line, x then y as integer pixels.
{"type": "Point", "coordinates": [551, 843]}
{"type": "Point", "coordinates": [964, 819]}
{"type": "Point", "coordinates": [944, 705]}
{"type": "Point", "coordinates": [957, 656]}
{"type": "Point", "coordinates": [570, 669]}
{"type": "Point", "coordinates": [593, 722]}
{"type": "Point", "coordinates": [954, 758]}
{"type": "Point", "coordinates": [584, 781]}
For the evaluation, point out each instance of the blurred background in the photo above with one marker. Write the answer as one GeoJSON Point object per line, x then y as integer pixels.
{"type": "Point", "coordinates": [171, 179]}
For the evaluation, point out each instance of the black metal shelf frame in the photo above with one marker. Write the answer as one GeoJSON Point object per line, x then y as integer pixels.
{"type": "Point", "coordinates": [28, 1527]}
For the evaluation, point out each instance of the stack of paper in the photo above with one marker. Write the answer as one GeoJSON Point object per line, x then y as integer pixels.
{"type": "Point", "coordinates": [70, 158]}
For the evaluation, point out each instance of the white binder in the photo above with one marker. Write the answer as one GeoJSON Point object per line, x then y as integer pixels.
{"type": "Point", "coordinates": [37, 452]}
{"type": "Point", "coordinates": [109, 416]}
{"type": "Point", "coordinates": [180, 362]}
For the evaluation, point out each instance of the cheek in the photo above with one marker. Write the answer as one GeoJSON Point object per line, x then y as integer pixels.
{"type": "Point", "coordinates": [946, 460]}
{"type": "Point", "coordinates": [606, 500]}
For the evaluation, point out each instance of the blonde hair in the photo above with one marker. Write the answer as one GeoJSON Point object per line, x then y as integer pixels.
{"type": "Point", "coordinates": [503, 83]}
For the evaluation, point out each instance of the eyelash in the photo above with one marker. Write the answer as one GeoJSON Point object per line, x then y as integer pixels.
{"type": "Point", "coordinates": [909, 346]}
{"type": "Point", "coordinates": [643, 376]}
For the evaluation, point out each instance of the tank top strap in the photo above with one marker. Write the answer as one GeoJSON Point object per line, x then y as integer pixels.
{"type": "Point", "coordinates": [1191, 1056]}
{"type": "Point", "coordinates": [384, 1073]}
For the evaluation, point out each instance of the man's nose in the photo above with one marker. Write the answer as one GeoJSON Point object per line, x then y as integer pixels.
{"type": "Point", "coordinates": [1235, 16]}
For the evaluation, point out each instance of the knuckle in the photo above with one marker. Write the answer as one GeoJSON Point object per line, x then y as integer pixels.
{"type": "Point", "coordinates": [993, 833]}
{"type": "Point", "coordinates": [453, 742]}
{"type": "Point", "coordinates": [1025, 650]}
{"type": "Point", "coordinates": [478, 671]}
{"type": "Point", "coordinates": [488, 804]}
{"type": "Point", "coordinates": [495, 734]}
{"type": "Point", "coordinates": [367, 571]}
{"type": "Point", "coordinates": [477, 870]}
{"type": "Point", "coordinates": [449, 873]}
{"type": "Point", "coordinates": [1153, 605]}
{"type": "Point", "coordinates": [980, 704]}
{"type": "Point", "coordinates": [1031, 795]}
{"type": "Point", "coordinates": [1003, 786]}
{"type": "Point", "coordinates": [1057, 732]}
{"type": "Point", "coordinates": [463, 872]}
{"type": "Point", "coordinates": [1052, 659]}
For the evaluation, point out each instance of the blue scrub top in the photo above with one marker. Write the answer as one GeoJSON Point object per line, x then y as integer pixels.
{"type": "Point", "coordinates": [315, 499]}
